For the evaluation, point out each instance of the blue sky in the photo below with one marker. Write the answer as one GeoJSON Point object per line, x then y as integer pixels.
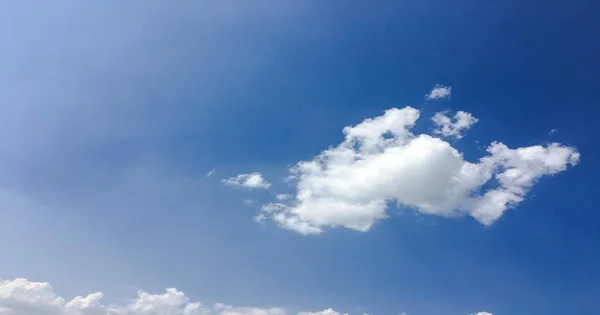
{"type": "Point", "coordinates": [113, 113]}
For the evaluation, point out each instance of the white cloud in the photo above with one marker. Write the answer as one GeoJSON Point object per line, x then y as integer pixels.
{"type": "Point", "coordinates": [232, 310]}
{"type": "Point", "coordinates": [283, 197]}
{"type": "Point", "coordinates": [328, 311]}
{"type": "Point", "coordinates": [453, 127]}
{"type": "Point", "coordinates": [552, 131]}
{"type": "Point", "coordinates": [251, 181]}
{"type": "Point", "coordinates": [439, 92]}
{"type": "Point", "coordinates": [249, 202]}
{"type": "Point", "coordinates": [22, 297]}
{"type": "Point", "coordinates": [381, 161]}
{"type": "Point", "coordinates": [211, 173]}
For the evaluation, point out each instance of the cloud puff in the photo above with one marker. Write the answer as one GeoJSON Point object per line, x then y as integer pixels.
{"type": "Point", "coordinates": [482, 313]}
{"type": "Point", "coordinates": [22, 297]}
{"type": "Point", "coordinates": [381, 161]}
{"type": "Point", "coordinates": [328, 311]}
{"type": "Point", "coordinates": [453, 127]}
{"type": "Point", "coordinates": [439, 92]}
{"type": "Point", "coordinates": [251, 181]}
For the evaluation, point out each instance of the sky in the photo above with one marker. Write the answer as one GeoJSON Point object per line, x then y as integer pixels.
{"type": "Point", "coordinates": [299, 157]}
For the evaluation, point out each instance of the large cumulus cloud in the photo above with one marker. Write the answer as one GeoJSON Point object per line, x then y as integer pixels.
{"type": "Point", "coordinates": [380, 161]}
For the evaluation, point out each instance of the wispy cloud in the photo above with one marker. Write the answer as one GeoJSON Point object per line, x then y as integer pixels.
{"type": "Point", "coordinates": [252, 181]}
{"type": "Point", "coordinates": [282, 197]}
{"type": "Point", "coordinates": [211, 173]}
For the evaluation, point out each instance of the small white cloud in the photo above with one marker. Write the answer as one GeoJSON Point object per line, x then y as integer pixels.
{"type": "Point", "coordinates": [453, 127]}
{"type": "Point", "coordinates": [211, 173]}
{"type": "Point", "coordinates": [251, 181]}
{"type": "Point", "coordinates": [283, 197]}
{"type": "Point", "coordinates": [482, 313]}
{"type": "Point", "coordinates": [223, 309]}
{"type": "Point", "coordinates": [381, 161]}
{"type": "Point", "coordinates": [439, 92]}
{"type": "Point", "coordinates": [249, 202]}
{"type": "Point", "coordinates": [328, 311]}
{"type": "Point", "coordinates": [553, 131]}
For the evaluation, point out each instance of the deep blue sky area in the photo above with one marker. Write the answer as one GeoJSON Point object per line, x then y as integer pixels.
{"type": "Point", "coordinates": [112, 113]}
